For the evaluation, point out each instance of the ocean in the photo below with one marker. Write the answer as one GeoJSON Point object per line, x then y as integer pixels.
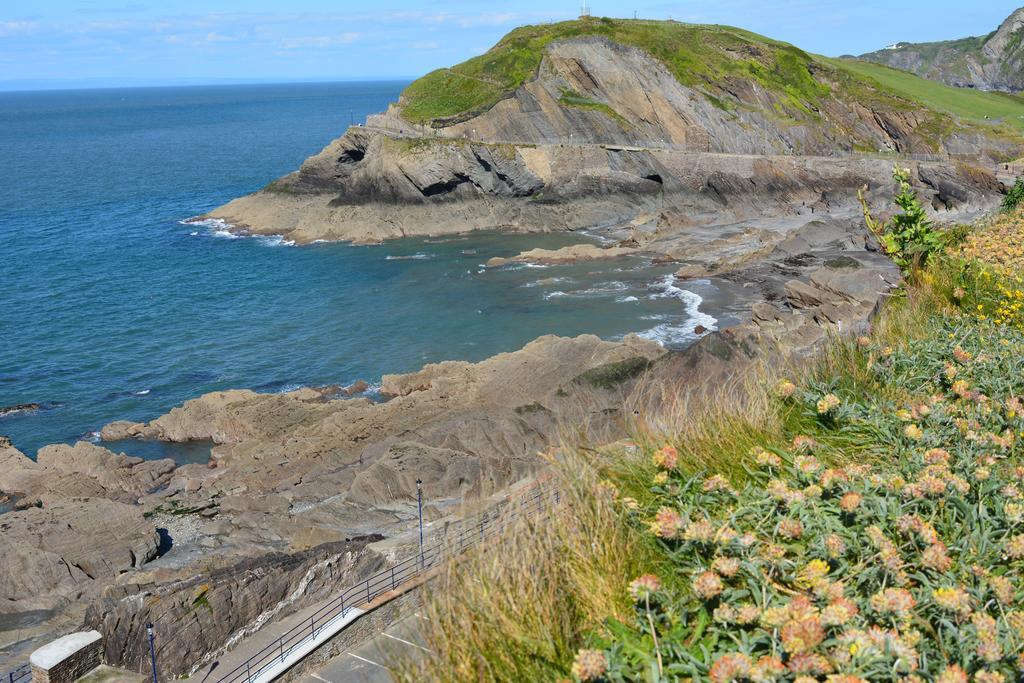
{"type": "Point", "coordinates": [114, 306]}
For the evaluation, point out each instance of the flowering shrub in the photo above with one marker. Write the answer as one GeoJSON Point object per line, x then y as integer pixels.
{"type": "Point", "coordinates": [910, 569]}
{"type": "Point", "coordinates": [993, 271]}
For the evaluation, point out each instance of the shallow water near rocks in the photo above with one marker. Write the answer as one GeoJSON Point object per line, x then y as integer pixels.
{"type": "Point", "coordinates": [114, 307]}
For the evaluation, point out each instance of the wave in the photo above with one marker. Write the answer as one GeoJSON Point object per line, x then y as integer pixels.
{"type": "Point", "coordinates": [522, 265]}
{"type": "Point", "coordinates": [274, 241]}
{"type": "Point", "coordinates": [218, 227]}
{"type": "Point", "coordinates": [673, 334]}
{"type": "Point", "coordinates": [543, 282]}
{"type": "Point", "coordinates": [598, 290]}
{"type": "Point", "coordinates": [626, 299]}
{"type": "Point", "coordinates": [445, 240]}
{"type": "Point", "coordinates": [418, 256]}
{"type": "Point", "coordinates": [141, 392]}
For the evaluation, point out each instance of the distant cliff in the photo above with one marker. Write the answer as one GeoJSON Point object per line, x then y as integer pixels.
{"type": "Point", "coordinates": [992, 62]}
{"type": "Point", "coordinates": [594, 122]}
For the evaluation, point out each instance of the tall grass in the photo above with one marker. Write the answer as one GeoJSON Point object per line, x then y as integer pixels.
{"type": "Point", "coordinates": [516, 611]}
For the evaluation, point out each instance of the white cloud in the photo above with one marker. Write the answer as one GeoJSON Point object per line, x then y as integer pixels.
{"type": "Point", "coordinates": [220, 38]}
{"type": "Point", "coordinates": [318, 41]}
{"type": "Point", "coordinates": [429, 45]}
{"type": "Point", "coordinates": [10, 28]}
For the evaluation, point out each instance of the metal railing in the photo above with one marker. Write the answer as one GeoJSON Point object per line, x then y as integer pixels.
{"type": "Point", "coordinates": [472, 532]}
{"type": "Point", "coordinates": [18, 675]}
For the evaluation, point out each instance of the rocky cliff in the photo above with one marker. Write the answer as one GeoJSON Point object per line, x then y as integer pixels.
{"type": "Point", "coordinates": [605, 125]}
{"type": "Point", "coordinates": [991, 62]}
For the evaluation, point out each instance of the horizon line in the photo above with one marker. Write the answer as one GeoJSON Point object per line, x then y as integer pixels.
{"type": "Point", "coordinates": [130, 83]}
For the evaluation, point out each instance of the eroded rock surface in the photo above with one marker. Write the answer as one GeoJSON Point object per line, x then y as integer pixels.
{"type": "Point", "coordinates": [83, 470]}
{"type": "Point", "coordinates": [57, 549]}
{"type": "Point", "coordinates": [196, 615]}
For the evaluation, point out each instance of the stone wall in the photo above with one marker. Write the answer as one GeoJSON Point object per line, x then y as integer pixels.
{"type": "Point", "coordinates": [67, 659]}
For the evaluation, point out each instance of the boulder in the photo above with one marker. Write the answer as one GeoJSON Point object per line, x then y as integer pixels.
{"type": "Point", "coordinates": [570, 254]}
{"type": "Point", "coordinates": [83, 470]}
{"type": "Point", "coordinates": [69, 542]}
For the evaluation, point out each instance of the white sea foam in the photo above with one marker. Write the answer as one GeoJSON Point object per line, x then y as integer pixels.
{"type": "Point", "coordinates": [604, 288]}
{"type": "Point", "coordinates": [626, 299]}
{"type": "Point", "coordinates": [555, 295]}
{"type": "Point", "coordinates": [141, 392]}
{"type": "Point", "coordinates": [418, 256]}
{"type": "Point", "coordinates": [220, 228]}
{"type": "Point", "coordinates": [274, 241]}
{"type": "Point", "coordinates": [670, 333]}
{"type": "Point", "coordinates": [521, 265]}
{"type": "Point", "coordinates": [547, 281]}
{"type": "Point", "coordinates": [599, 290]}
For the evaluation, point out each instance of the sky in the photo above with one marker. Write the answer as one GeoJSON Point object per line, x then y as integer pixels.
{"type": "Point", "coordinates": [78, 43]}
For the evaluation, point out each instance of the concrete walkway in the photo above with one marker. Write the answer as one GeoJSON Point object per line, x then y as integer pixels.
{"type": "Point", "coordinates": [373, 661]}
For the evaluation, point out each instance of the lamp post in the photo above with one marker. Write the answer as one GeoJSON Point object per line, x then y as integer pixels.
{"type": "Point", "coordinates": [419, 502]}
{"type": "Point", "coordinates": [152, 649]}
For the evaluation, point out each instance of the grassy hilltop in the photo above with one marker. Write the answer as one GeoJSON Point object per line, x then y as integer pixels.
{"type": "Point", "coordinates": [989, 62]}
{"type": "Point", "coordinates": [708, 58]}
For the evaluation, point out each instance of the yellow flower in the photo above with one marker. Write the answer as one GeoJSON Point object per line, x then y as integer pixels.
{"type": "Point", "coordinates": [785, 388]}
{"type": "Point", "coordinates": [828, 403]}
{"type": "Point", "coordinates": [913, 432]}
{"type": "Point", "coordinates": [953, 599]}
{"type": "Point", "coordinates": [812, 574]}
{"type": "Point", "coordinates": [589, 665]}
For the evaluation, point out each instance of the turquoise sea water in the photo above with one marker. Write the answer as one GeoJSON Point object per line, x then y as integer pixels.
{"type": "Point", "coordinates": [111, 307]}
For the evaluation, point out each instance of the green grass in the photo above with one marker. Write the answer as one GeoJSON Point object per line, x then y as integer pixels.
{"type": "Point", "coordinates": [715, 61]}
{"type": "Point", "coordinates": [972, 105]}
{"type": "Point", "coordinates": [570, 98]}
{"type": "Point", "coordinates": [698, 56]}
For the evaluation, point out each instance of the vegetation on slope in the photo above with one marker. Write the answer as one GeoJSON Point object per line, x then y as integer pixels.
{"type": "Point", "coordinates": [862, 520]}
{"type": "Point", "coordinates": [991, 62]}
{"type": "Point", "coordinates": [707, 58]}
{"type": "Point", "coordinates": [951, 56]}
{"type": "Point", "coordinates": [966, 103]}
{"type": "Point", "coordinates": [697, 55]}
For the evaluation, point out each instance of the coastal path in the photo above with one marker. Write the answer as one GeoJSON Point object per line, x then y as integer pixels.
{"type": "Point", "coordinates": [280, 645]}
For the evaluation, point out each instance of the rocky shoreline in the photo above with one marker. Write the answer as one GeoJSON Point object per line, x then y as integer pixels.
{"type": "Point", "coordinates": [300, 484]}
{"type": "Point", "coordinates": [297, 477]}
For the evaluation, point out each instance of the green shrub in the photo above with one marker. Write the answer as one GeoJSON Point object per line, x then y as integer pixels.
{"type": "Point", "coordinates": [1014, 197]}
{"type": "Point", "coordinates": [909, 238]}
